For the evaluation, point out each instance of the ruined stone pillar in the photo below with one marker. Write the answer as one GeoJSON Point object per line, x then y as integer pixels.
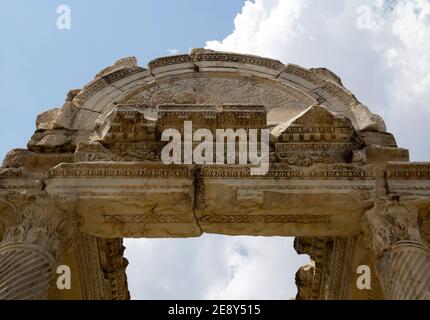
{"type": "Point", "coordinates": [32, 243]}
{"type": "Point", "coordinates": [402, 257]}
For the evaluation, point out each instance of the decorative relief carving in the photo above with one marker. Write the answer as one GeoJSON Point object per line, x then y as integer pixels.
{"type": "Point", "coordinates": [408, 178]}
{"type": "Point", "coordinates": [231, 116]}
{"type": "Point", "coordinates": [132, 170]}
{"type": "Point", "coordinates": [238, 58]}
{"type": "Point", "coordinates": [301, 219]}
{"type": "Point", "coordinates": [304, 74]}
{"type": "Point", "coordinates": [250, 196]}
{"type": "Point", "coordinates": [124, 135]}
{"type": "Point", "coordinates": [34, 228]}
{"type": "Point", "coordinates": [324, 277]}
{"type": "Point", "coordinates": [315, 136]}
{"type": "Point", "coordinates": [242, 116]}
{"type": "Point", "coordinates": [90, 272]}
{"type": "Point", "coordinates": [126, 124]}
{"type": "Point", "coordinates": [283, 171]}
{"type": "Point", "coordinates": [138, 151]}
{"type": "Point", "coordinates": [121, 74]}
{"type": "Point", "coordinates": [340, 93]}
{"type": "Point", "coordinates": [147, 218]}
{"type": "Point", "coordinates": [172, 116]}
{"type": "Point", "coordinates": [149, 170]}
{"type": "Point", "coordinates": [167, 61]}
{"type": "Point", "coordinates": [335, 269]}
{"type": "Point", "coordinates": [319, 252]}
{"type": "Point", "coordinates": [113, 265]}
{"type": "Point", "coordinates": [105, 81]}
{"type": "Point", "coordinates": [392, 222]}
{"type": "Point", "coordinates": [218, 89]}
{"type": "Point", "coordinates": [408, 171]}
{"type": "Point", "coordinates": [337, 90]}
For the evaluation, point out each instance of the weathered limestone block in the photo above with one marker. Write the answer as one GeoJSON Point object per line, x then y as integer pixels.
{"type": "Point", "coordinates": [287, 201]}
{"type": "Point", "coordinates": [366, 120]}
{"type": "Point", "coordinates": [172, 65]}
{"type": "Point", "coordinates": [326, 74]}
{"type": "Point", "coordinates": [378, 138]}
{"type": "Point", "coordinates": [304, 277]}
{"type": "Point", "coordinates": [113, 264]}
{"type": "Point", "coordinates": [408, 178]}
{"type": "Point", "coordinates": [172, 116]}
{"type": "Point", "coordinates": [53, 141]}
{"type": "Point", "coordinates": [315, 136]}
{"type": "Point", "coordinates": [304, 87]}
{"type": "Point", "coordinates": [46, 120]}
{"type": "Point", "coordinates": [59, 118]}
{"type": "Point", "coordinates": [238, 116]}
{"type": "Point", "coordinates": [34, 162]}
{"type": "Point", "coordinates": [125, 124]}
{"type": "Point", "coordinates": [121, 63]}
{"type": "Point", "coordinates": [209, 60]}
{"type": "Point", "coordinates": [133, 199]}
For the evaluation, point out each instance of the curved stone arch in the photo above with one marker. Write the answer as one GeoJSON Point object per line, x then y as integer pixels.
{"type": "Point", "coordinates": [295, 87]}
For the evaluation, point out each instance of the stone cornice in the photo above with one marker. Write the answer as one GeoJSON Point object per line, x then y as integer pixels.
{"type": "Point", "coordinates": [162, 171]}
{"type": "Point", "coordinates": [408, 178]}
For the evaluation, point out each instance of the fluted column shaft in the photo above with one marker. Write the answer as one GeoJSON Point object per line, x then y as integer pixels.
{"type": "Point", "coordinates": [402, 257]}
{"type": "Point", "coordinates": [408, 271]}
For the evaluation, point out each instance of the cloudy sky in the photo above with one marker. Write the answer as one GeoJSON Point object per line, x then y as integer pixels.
{"type": "Point", "coordinates": [380, 49]}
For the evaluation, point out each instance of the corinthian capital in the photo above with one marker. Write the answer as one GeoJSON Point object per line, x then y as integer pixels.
{"type": "Point", "coordinates": [392, 222]}
{"type": "Point", "coordinates": [41, 220]}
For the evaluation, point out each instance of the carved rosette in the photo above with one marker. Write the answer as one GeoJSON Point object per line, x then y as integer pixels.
{"type": "Point", "coordinates": [403, 259]}
{"type": "Point", "coordinates": [30, 248]}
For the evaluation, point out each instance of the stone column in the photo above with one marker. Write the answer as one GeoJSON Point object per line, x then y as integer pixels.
{"type": "Point", "coordinates": [402, 257]}
{"type": "Point", "coordinates": [29, 251]}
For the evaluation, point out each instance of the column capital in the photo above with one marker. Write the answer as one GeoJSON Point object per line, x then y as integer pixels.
{"type": "Point", "coordinates": [389, 222]}
{"type": "Point", "coordinates": [40, 219]}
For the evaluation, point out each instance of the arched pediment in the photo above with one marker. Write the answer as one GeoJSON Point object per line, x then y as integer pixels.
{"type": "Point", "coordinates": [216, 78]}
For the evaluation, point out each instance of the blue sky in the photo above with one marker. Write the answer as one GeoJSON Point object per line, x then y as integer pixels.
{"type": "Point", "coordinates": [39, 63]}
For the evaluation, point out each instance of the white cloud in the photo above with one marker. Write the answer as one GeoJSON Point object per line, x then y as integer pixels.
{"type": "Point", "coordinates": [386, 65]}
{"type": "Point", "coordinates": [212, 267]}
{"type": "Point", "coordinates": [172, 51]}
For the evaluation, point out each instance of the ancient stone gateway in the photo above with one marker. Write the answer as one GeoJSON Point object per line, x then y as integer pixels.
{"type": "Point", "coordinates": [92, 175]}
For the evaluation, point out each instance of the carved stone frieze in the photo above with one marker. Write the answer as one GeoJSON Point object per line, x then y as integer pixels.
{"type": "Point", "coordinates": [315, 136]}
{"type": "Point", "coordinates": [133, 151]}
{"type": "Point", "coordinates": [125, 124]}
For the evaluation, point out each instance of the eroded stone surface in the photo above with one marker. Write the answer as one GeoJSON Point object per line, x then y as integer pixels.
{"type": "Point", "coordinates": [336, 178]}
